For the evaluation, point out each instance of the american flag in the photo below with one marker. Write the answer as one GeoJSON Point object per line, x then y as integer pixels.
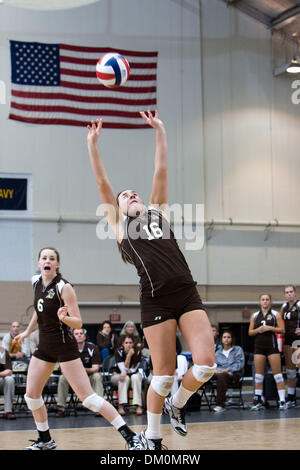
{"type": "Point", "coordinates": [57, 84]}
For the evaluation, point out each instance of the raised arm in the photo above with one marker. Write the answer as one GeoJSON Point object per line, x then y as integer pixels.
{"type": "Point", "coordinates": [159, 195]}
{"type": "Point", "coordinates": [105, 189]}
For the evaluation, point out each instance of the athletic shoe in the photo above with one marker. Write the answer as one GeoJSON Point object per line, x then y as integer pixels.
{"type": "Point", "coordinates": [177, 417]}
{"type": "Point", "coordinates": [282, 405]}
{"type": "Point", "coordinates": [257, 406]}
{"type": "Point", "coordinates": [135, 443]}
{"type": "Point", "coordinates": [219, 409]}
{"type": "Point", "coordinates": [150, 444]}
{"type": "Point", "coordinates": [40, 445]}
{"type": "Point", "coordinates": [291, 403]}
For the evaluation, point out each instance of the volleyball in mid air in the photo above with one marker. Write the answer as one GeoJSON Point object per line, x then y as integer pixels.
{"type": "Point", "coordinates": [112, 70]}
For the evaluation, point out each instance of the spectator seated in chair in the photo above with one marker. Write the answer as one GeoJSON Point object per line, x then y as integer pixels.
{"type": "Point", "coordinates": [128, 358]}
{"type": "Point", "coordinates": [106, 340]}
{"type": "Point", "coordinates": [7, 383]}
{"type": "Point", "coordinates": [90, 357]}
{"type": "Point", "coordinates": [16, 351]}
{"type": "Point", "coordinates": [130, 329]}
{"type": "Point", "coordinates": [230, 360]}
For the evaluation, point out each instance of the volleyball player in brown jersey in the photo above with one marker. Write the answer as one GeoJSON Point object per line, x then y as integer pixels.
{"type": "Point", "coordinates": [168, 293]}
{"type": "Point", "coordinates": [57, 314]}
{"type": "Point", "coordinates": [290, 312]}
{"type": "Point", "coordinates": [264, 325]}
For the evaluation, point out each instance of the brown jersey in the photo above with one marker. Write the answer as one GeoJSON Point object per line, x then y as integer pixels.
{"type": "Point", "coordinates": [153, 249]}
{"type": "Point", "coordinates": [291, 317]}
{"type": "Point", "coordinates": [47, 301]}
{"type": "Point", "coordinates": [267, 339]}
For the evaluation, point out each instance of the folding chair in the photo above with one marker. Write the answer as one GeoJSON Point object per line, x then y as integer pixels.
{"type": "Point", "coordinates": [50, 391]}
{"type": "Point", "coordinates": [212, 387]}
{"type": "Point", "coordinates": [107, 368]}
{"type": "Point", "coordinates": [72, 403]}
{"type": "Point", "coordinates": [202, 392]}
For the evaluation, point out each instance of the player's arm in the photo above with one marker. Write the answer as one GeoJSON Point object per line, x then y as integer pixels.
{"type": "Point", "coordinates": [159, 194]}
{"type": "Point", "coordinates": [30, 328]}
{"type": "Point", "coordinates": [281, 311]}
{"type": "Point", "coordinates": [106, 191]}
{"type": "Point", "coordinates": [252, 331]}
{"type": "Point", "coordinates": [280, 328]}
{"type": "Point", "coordinates": [70, 313]}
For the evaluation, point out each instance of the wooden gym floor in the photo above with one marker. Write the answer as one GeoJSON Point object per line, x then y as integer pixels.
{"type": "Point", "coordinates": [235, 429]}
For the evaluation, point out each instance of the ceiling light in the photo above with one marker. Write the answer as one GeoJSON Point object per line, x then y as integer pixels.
{"type": "Point", "coordinates": [293, 67]}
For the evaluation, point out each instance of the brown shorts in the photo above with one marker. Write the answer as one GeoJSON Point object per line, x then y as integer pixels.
{"type": "Point", "coordinates": [156, 310]}
{"type": "Point", "coordinates": [266, 351]}
{"type": "Point", "coordinates": [57, 352]}
{"type": "Point", "coordinates": [289, 338]}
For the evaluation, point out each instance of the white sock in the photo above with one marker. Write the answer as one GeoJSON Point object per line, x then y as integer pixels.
{"type": "Point", "coordinates": [153, 428]}
{"type": "Point", "coordinates": [291, 391]}
{"type": "Point", "coordinates": [118, 422]}
{"type": "Point", "coordinates": [258, 392]}
{"type": "Point", "coordinates": [42, 426]}
{"type": "Point", "coordinates": [181, 397]}
{"type": "Point", "coordinates": [281, 394]}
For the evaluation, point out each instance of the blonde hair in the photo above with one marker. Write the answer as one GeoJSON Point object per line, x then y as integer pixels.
{"type": "Point", "coordinates": [292, 286]}
{"type": "Point", "coordinates": [269, 295]}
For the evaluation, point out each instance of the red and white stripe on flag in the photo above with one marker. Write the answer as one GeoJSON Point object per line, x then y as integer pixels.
{"type": "Point", "coordinates": [57, 84]}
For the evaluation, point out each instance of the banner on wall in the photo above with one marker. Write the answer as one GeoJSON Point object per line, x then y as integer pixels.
{"type": "Point", "coordinates": [13, 194]}
{"type": "Point", "coordinates": [57, 84]}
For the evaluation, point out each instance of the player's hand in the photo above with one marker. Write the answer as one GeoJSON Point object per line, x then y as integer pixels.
{"type": "Point", "coordinates": [62, 312]}
{"type": "Point", "coordinates": [20, 338]}
{"type": "Point", "coordinates": [152, 119]}
{"type": "Point", "coordinates": [131, 352]}
{"type": "Point", "coordinates": [94, 131]}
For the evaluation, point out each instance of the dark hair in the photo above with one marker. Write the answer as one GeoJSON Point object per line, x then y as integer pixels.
{"type": "Point", "coordinates": [123, 338]}
{"type": "Point", "coordinates": [117, 198]}
{"type": "Point", "coordinates": [104, 322]}
{"type": "Point", "coordinates": [230, 333]}
{"type": "Point", "coordinates": [126, 258]}
{"type": "Point", "coordinates": [55, 251]}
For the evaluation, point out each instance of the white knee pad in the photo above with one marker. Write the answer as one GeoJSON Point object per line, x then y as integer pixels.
{"type": "Point", "coordinates": [162, 384]}
{"type": "Point", "coordinates": [291, 373]}
{"type": "Point", "coordinates": [34, 403]}
{"type": "Point", "coordinates": [278, 378]}
{"type": "Point", "coordinates": [203, 373]}
{"type": "Point", "coordinates": [93, 402]}
{"type": "Point", "coordinates": [259, 378]}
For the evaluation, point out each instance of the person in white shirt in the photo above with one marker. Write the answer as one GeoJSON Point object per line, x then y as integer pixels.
{"type": "Point", "coordinates": [16, 351]}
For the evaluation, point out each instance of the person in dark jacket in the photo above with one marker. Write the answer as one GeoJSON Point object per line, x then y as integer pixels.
{"type": "Point", "coordinates": [106, 340]}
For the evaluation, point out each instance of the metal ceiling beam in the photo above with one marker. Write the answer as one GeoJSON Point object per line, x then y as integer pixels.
{"type": "Point", "coordinates": [286, 15]}
{"type": "Point", "coordinates": [249, 10]}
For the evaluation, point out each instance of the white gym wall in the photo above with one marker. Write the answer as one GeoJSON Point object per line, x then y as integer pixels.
{"type": "Point", "coordinates": [233, 137]}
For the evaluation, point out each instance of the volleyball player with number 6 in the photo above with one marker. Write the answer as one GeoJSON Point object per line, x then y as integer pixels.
{"type": "Point", "coordinates": [168, 294]}
{"type": "Point", "coordinates": [57, 314]}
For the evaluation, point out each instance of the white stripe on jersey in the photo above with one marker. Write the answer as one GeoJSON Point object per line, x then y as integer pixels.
{"type": "Point", "coordinates": [35, 278]}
